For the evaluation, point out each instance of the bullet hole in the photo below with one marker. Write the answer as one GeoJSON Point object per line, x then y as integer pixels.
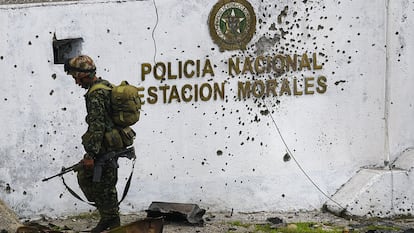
{"type": "Point", "coordinates": [63, 109]}
{"type": "Point", "coordinates": [120, 42]}
{"type": "Point", "coordinates": [5, 99]}
{"type": "Point", "coordinates": [108, 31]}
{"type": "Point", "coordinates": [54, 76]}
{"type": "Point", "coordinates": [1, 57]}
{"type": "Point", "coordinates": [15, 66]}
{"type": "Point", "coordinates": [396, 33]}
{"type": "Point", "coordinates": [202, 163]}
{"type": "Point", "coordinates": [8, 188]}
{"type": "Point", "coordinates": [24, 193]}
{"type": "Point", "coordinates": [61, 195]}
{"type": "Point", "coordinates": [283, 195]}
{"type": "Point", "coordinates": [286, 157]}
{"type": "Point", "coordinates": [34, 126]}
{"type": "Point", "coordinates": [282, 14]}
{"type": "Point", "coordinates": [219, 152]}
{"type": "Point", "coordinates": [41, 145]}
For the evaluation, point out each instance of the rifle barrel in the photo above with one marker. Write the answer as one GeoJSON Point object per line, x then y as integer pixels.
{"type": "Point", "coordinates": [64, 171]}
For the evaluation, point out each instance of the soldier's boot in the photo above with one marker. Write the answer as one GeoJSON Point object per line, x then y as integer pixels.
{"type": "Point", "coordinates": [106, 224]}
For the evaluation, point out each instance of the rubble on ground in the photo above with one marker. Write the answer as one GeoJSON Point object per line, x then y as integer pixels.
{"type": "Point", "coordinates": [9, 221]}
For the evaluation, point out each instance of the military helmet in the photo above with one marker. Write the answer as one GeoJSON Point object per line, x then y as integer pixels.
{"type": "Point", "coordinates": [80, 63]}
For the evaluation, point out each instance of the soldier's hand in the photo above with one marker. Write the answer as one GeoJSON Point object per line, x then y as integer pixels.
{"type": "Point", "coordinates": [87, 163]}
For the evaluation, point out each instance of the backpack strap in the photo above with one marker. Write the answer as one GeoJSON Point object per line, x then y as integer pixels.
{"type": "Point", "coordinates": [98, 86]}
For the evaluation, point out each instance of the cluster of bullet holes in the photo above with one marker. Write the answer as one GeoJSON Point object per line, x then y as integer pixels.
{"type": "Point", "coordinates": [8, 189]}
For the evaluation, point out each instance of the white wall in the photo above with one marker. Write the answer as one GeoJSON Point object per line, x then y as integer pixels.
{"type": "Point", "coordinates": [401, 97]}
{"type": "Point", "coordinates": [178, 145]}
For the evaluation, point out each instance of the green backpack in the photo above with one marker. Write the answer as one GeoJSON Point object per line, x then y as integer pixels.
{"type": "Point", "coordinates": [125, 102]}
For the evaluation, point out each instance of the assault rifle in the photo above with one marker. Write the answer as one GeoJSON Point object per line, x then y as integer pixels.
{"type": "Point", "coordinates": [98, 163]}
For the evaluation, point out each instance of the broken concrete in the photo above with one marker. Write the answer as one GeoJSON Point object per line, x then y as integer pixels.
{"type": "Point", "coordinates": [377, 192]}
{"type": "Point", "coordinates": [177, 212]}
{"type": "Point", "coordinates": [8, 219]}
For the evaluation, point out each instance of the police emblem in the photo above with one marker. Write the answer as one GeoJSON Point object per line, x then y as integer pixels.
{"type": "Point", "coordinates": [232, 24]}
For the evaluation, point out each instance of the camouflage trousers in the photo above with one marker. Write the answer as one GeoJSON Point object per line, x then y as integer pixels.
{"type": "Point", "coordinates": [103, 193]}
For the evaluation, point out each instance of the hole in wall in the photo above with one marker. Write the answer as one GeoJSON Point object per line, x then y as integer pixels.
{"type": "Point", "coordinates": [66, 48]}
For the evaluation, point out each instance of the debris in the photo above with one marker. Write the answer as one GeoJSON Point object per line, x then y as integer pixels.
{"type": "Point", "coordinates": [292, 227]}
{"type": "Point", "coordinates": [275, 220]}
{"type": "Point", "coordinates": [36, 228]}
{"type": "Point", "coordinates": [147, 225]}
{"type": "Point", "coordinates": [177, 212]}
{"type": "Point", "coordinates": [9, 221]}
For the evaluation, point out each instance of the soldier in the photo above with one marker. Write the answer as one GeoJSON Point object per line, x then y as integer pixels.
{"type": "Point", "coordinates": [103, 193]}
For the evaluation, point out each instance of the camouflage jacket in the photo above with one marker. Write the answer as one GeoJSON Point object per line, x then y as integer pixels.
{"type": "Point", "coordinates": [98, 107]}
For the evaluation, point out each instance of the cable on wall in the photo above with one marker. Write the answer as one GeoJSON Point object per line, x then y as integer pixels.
{"type": "Point", "coordinates": [153, 30]}
{"type": "Point", "coordinates": [296, 162]}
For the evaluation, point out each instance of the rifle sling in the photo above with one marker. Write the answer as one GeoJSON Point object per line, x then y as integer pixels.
{"type": "Point", "coordinates": [128, 183]}
{"type": "Point", "coordinates": [75, 194]}
{"type": "Point", "coordinates": [124, 193]}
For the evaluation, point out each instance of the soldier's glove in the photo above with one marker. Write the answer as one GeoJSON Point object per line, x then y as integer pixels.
{"type": "Point", "coordinates": [87, 163]}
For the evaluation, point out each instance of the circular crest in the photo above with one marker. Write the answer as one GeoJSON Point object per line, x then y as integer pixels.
{"type": "Point", "coordinates": [232, 24]}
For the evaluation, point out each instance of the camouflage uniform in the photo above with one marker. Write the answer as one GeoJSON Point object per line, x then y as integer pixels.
{"type": "Point", "coordinates": [103, 193]}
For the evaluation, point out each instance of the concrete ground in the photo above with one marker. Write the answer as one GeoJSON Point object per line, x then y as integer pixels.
{"type": "Point", "coordinates": [244, 222]}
